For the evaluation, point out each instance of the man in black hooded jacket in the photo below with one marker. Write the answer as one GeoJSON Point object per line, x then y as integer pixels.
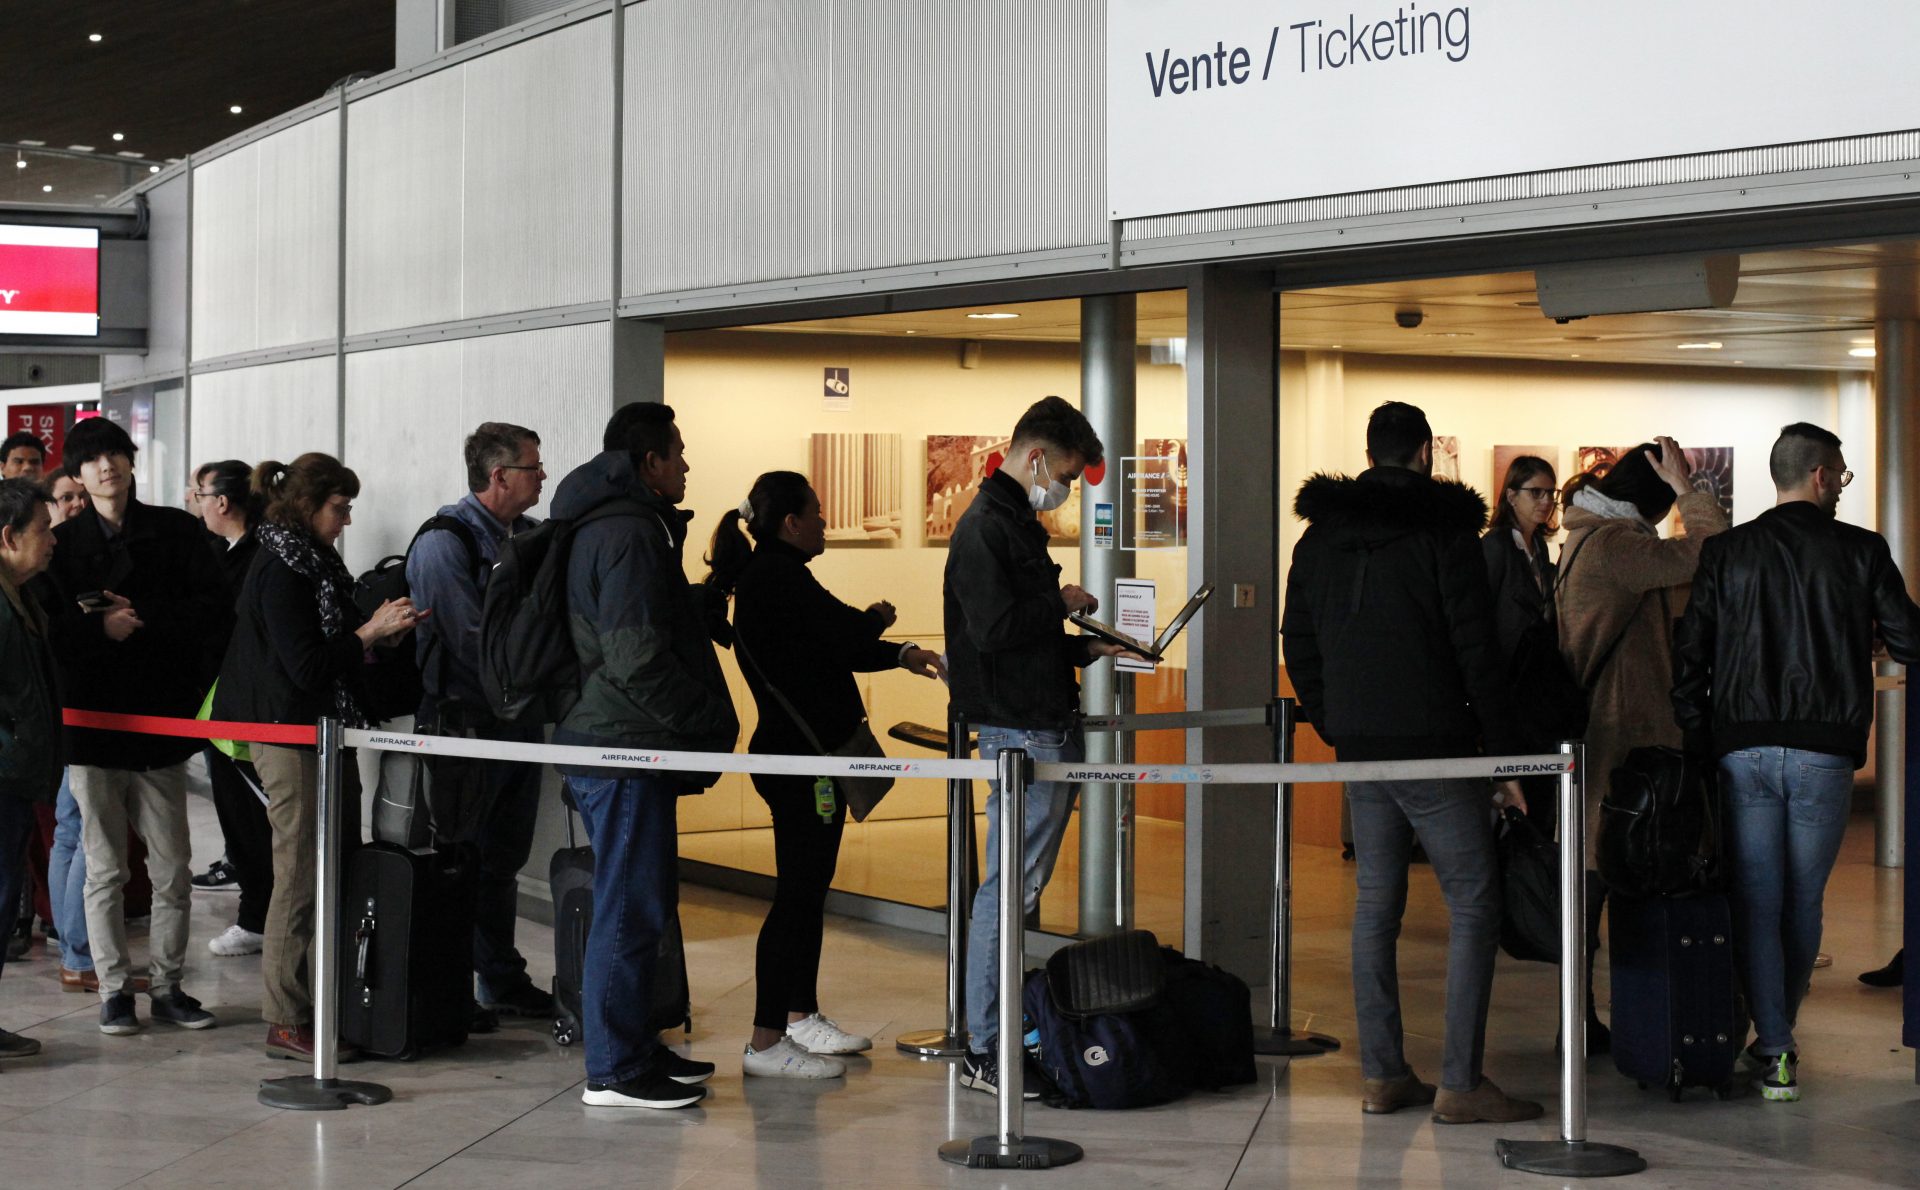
{"type": "Point", "coordinates": [1389, 640]}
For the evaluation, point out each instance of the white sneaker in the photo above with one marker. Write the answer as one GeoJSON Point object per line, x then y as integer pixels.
{"type": "Point", "coordinates": [818, 1035]}
{"type": "Point", "coordinates": [785, 1059]}
{"type": "Point", "coordinates": [237, 941]}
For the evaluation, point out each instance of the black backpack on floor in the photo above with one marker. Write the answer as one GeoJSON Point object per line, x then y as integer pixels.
{"type": "Point", "coordinates": [1660, 826]}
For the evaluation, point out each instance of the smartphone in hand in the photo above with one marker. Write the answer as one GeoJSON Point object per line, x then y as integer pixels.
{"type": "Point", "coordinates": [94, 601]}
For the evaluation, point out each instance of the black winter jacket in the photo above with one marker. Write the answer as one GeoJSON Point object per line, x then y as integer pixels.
{"type": "Point", "coordinates": [649, 677]}
{"type": "Point", "coordinates": [1010, 662]}
{"type": "Point", "coordinates": [160, 561]}
{"type": "Point", "coordinates": [30, 755]}
{"type": "Point", "coordinates": [1388, 631]}
{"type": "Point", "coordinates": [808, 645]}
{"type": "Point", "coordinates": [1521, 588]}
{"type": "Point", "coordinates": [1776, 646]}
{"type": "Point", "coordinates": [280, 666]}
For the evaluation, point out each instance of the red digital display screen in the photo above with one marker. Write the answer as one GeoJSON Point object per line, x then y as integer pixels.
{"type": "Point", "coordinates": [49, 280]}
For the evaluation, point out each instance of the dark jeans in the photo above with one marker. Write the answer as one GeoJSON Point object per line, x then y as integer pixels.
{"type": "Point", "coordinates": [805, 852]}
{"type": "Point", "coordinates": [241, 804]}
{"type": "Point", "coordinates": [1454, 822]}
{"type": "Point", "coordinates": [17, 825]}
{"type": "Point", "coordinates": [632, 823]}
{"type": "Point", "coordinates": [506, 795]}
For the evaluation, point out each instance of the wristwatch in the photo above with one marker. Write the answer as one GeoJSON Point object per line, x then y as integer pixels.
{"type": "Point", "coordinates": [901, 659]}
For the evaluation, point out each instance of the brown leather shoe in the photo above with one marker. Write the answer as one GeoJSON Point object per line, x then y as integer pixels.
{"type": "Point", "coordinates": [1485, 1104]}
{"type": "Point", "coordinates": [295, 1044]}
{"type": "Point", "coordinates": [89, 981]}
{"type": "Point", "coordinates": [1383, 1096]}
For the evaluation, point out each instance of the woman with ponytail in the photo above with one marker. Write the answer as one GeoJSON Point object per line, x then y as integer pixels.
{"type": "Point", "coordinates": [799, 648]}
{"type": "Point", "coordinates": [299, 651]}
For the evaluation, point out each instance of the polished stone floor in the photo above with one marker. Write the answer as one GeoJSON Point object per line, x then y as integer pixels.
{"type": "Point", "coordinates": [175, 1109]}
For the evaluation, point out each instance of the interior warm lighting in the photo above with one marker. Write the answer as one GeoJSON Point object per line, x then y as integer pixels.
{"type": "Point", "coordinates": [1449, 334]}
{"type": "Point", "coordinates": [1712, 345]}
{"type": "Point", "coordinates": [235, 109]}
{"type": "Point", "coordinates": [1866, 342]}
{"type": "Point", "coordinates": [993, 315]}
{"type": "Point", "coordinates": [1861, 352]}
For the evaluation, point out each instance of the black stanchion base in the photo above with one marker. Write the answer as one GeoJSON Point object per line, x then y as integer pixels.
{"type": "Point", "coordinates": [307, 1093]}
{"type": "Point", "coordinates": [931, 1043]}
{"type": "Point", "coordinates": [1569, 1158]}
{"type": "Point", "coordinates": [1029, 1152]}
{"type": "Point", "coordinates": [1286, 1042]}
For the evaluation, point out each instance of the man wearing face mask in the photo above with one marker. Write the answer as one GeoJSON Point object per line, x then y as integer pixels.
{"type": "Point", "coordinates": [1012, 667]}
{"type": "Point", "coordinates": [1773, 676]}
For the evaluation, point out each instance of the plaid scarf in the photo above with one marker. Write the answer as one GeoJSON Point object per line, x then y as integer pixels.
{"type": "Point", "coordinates": [332, 588]}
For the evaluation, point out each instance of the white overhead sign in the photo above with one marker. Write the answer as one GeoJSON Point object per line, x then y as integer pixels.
{"type": "Point", "coordinates": [1218, 103]}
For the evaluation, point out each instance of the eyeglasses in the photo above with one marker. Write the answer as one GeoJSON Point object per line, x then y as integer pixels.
{"type": "Point", "coordinates": [197, 494]}
{"type": "Point", "coordinates": [1546, 494]}
{"type": "Point", "coordinates": [523, 467]}
{"type": "Point", "coordinates": [1846, 477]}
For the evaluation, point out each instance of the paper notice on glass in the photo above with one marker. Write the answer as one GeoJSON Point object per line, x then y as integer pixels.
{"type": "Point", "coordinates": [1133, 602]}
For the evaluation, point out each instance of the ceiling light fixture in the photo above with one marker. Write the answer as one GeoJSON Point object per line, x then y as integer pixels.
{"type": "Point", "coordinates": [19, 165]}
{"type": "Point", "coordinates": [153, 169]}
{"type": "Point", "coordinates": [1861, 352]}
{"type": "Point", "coordinates": [993, 316]}
{"type": "Point", "coordinates": [1711, 345]}
{"type": "Point", "coordinates": [93, 37]}
{"type": "Point", "coordinates": [235, 109]}
{"type": "Point", "coordinates": [119, 136]}
{"type": "Point", "coordinates": [1449, 334]}
{"type": "Point", "coordinates": [46, 189]}
{"type": "Point", "coordinates": [1866, 342]}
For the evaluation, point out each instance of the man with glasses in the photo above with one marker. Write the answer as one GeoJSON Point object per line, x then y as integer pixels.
{"type": "Point", "coordinates": [1773, 676]}
{"type": "Point", "coordinates": [447, 570]}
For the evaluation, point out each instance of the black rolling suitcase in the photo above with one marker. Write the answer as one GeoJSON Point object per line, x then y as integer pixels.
{"type": "Point", "coordinates": [571, 877]}
{"type": "Point", "coordinates": [406, 951]}
{"type": "Point", "coordinates": [1679, 1019]}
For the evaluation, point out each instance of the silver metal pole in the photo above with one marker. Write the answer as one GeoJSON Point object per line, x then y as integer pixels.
{"type": "Point", "coordinates": [951, 1042]}
{"type": "Point", "coordinates": [1010, 1149]}
{"type": "Point", "coordinates": [1125, 839]}
{"type": "Point", "coordinates": [323, 1091]}
{"type": "Point", "coordinates": [1278, 1037]}
{"type": "Point", "coordinates": [1572, 1155]}
{"type": "Point", "coordinates": [1896, 402]}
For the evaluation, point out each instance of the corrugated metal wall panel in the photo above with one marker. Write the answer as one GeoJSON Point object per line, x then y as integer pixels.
{"type": "Point", "coordinates": [727, 109]}
{"type": "Point", "coordinates": [299, 241]}
{"type": "Point", "coordinates": [226, 238]}
{"type": "Point", "coordinates": [167, 234]}
{"type": "Point", "coordinates": [538, 132]}
{"type": "Point", "coordinates": [404, 204]}
{"type": "Point", "coordinates": [554, 382]}
{"type": "Point", "coordinates": [273, 411]}
{"type": "Point", "coordinates": [964, 130]}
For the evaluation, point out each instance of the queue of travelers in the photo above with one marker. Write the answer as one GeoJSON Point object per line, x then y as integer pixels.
{"type": "Point", "coordinates": [1403, 629]}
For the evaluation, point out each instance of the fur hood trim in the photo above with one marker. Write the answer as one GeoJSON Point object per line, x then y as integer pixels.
{"type": "Point", "coordinates": [1413, 503]}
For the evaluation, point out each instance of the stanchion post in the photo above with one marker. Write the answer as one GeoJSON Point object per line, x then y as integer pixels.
{"type": "Point", "coordinates": [1573, 1155]}
{"type": "Point", "coordinates": [323, 1091]}
{"type": "Point", "coordinates": [1278, 1037]}
{"type": "Point", "coordinates": [951, 1042]}
{"type": "Point", "coordinates": [1009, 1148]}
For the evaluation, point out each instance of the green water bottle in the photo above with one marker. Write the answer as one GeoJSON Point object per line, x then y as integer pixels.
{"type": "Point", "coordinates": [823, 798]}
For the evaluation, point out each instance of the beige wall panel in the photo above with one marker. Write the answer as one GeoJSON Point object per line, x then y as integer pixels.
{"type": "Point", "coordinates": [297, 232]}
{"type": "Point", "coordinates": [537, 184]}
{"type": "Point", "coordinates": [553, 381]}
{"type": "Point", "coordinates": [404, 208]}
{"type": "Point", "coordinates": [272, 411]}
{"type": "Point", "coordinates": [727, 170]}
{"type": "Point", "coordinates": [226, 215]}
{"type": "Point", "coordinates": [403, 438]}
{"type": "Point", "coordinates": [166, 287]}
{"type": "Point", "coordinates": [964, 130]}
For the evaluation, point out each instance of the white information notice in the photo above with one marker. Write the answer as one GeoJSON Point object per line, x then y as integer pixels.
{"type": "Point", "coordinates": [1217, 103]}
{"type": "Point", "coordinates": [1133, 604]}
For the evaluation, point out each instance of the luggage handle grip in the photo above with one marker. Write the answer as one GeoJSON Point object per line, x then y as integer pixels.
{"type": "Point", "coordinates": [363, 944]}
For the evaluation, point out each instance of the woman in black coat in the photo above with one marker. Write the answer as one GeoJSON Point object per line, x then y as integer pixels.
{"type": "Point", "coordinates": [1519, 568]}
{"type": "Point", "coordinates": [799, 648]}
{"type": "Point", "coordinates": [299, 651]}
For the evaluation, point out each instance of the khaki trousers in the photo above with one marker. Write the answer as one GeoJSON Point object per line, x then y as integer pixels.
{"type": "Point", "coordinates": [154, 804]}
{"type": "Point", "coordinates": [291, 777]}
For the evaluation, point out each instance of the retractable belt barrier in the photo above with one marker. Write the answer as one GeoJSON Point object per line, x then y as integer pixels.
{"type": "Point", "coordinates": [288, 734]}
{"type": "Point", "coordinates": [1178, 720]}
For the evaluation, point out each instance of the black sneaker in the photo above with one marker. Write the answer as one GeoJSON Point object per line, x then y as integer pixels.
{"type": "Point", "coordinates": [524, 1001]}
{"type": "Point", "coordinates": [482, 1020]}
{"type": "Point", "coordinates": [177, 1008]}
{"type": "Point", "coordinates": [220, 877]}
{"type": "Point", "coordinates": [13, 1045]}
{"type": "Point", "coordinates": [981, 1072]}
{"type": "Point", "coordinates": [682, 1070]}
{"type": "Point", "coordinates": [117, 1017]}
{"type": "Point", "coordinates": [653, 1089]}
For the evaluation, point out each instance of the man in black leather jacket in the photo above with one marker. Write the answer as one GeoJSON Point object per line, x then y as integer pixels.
{"type": "Point", "coordinates": [1012, 666]}
{"type": "Point", "coordinates": [1389, 640]}
{"type": "Point", "coordinates": [1773, 675]}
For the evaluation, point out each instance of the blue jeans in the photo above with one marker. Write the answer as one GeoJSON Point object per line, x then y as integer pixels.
{"type": "Point", "coordinates": [67, 882]}
{"type": "Point", "coordinates": [17, 825]}
{"type": "Point", "coordinates": [632, 823]}
{"type": "Point", "coordinates": [1048, 805]}
{"type": "Point", "coordinates": [1787, 813]}
{"type": "Point", "coordinates": [1453, 819]}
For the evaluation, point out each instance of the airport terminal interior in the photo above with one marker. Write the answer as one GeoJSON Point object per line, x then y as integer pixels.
{"type": "Point", "coordinates": [856, 239]}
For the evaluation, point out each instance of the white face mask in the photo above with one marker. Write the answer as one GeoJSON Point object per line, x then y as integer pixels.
{"type": "Point", "coordinates": [1049, 496]}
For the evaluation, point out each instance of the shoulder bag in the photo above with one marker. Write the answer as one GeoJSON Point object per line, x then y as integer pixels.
{"type": "Point", "coordinates": [861, 794]}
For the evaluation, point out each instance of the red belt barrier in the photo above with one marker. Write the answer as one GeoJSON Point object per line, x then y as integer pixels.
{"type": "Point", "coordinates": [198, 729]}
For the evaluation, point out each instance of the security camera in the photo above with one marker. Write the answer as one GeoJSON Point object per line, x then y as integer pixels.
{"type": "Point", "coordinates": [1409, 319]}
{"type": "Point", "coordinates": [35, 373]}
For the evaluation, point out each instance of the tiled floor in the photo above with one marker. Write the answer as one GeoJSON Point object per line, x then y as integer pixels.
{"type": "Point", "coordinates": [168, 1108]}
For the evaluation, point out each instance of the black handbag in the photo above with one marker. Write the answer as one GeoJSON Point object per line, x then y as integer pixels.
{"type": "Point", "coordinates": [1529, 890]}
{"type": "Point", "coordinates": [1660, 826]}
{"type": "Point", "coordinates": [861, 794]}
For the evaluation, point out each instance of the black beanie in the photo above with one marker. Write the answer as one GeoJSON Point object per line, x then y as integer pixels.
{"type": "Point", "coordinates": [1634, 480]}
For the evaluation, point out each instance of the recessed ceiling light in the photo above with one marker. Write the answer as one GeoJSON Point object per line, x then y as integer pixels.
{"type": "Point", "coordinates": [46, 189]}
{"type": "Point", "coordinates": [913, 332]}
{"type": "Point", "coordinates": [127, 153]}
{"type": "Point", "coordinates": [1709, 345]}
{"type": "Point", "coordinates": [93, 37]}
{"type": "Point", "coordinates": [235, 109]}
{"type": "Point", "coordinates": [993, 315]}
{"type": "Point", "coordinates": [1861, 352]}
{"type": "Point", "coordinates": [35, 143]}
{"type": "Point", "coordinates": [80, 148]}
{"type": "Point", "coordinates": [1573, 355]}
{"type": "Point", "coordinates": [1866, 342]}
{"type": "Point", "coordinates": [1449, 334]}
{"type": "Point", "coordinates": [119, 136]}
{"type": "Point", "coordinates": [19, 165]}
{"type": "Point", "coordinates": [153, 169]}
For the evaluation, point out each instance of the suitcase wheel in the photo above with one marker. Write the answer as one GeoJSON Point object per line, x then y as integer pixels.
{"type": "Point", "coordinates": [562, 1031]}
